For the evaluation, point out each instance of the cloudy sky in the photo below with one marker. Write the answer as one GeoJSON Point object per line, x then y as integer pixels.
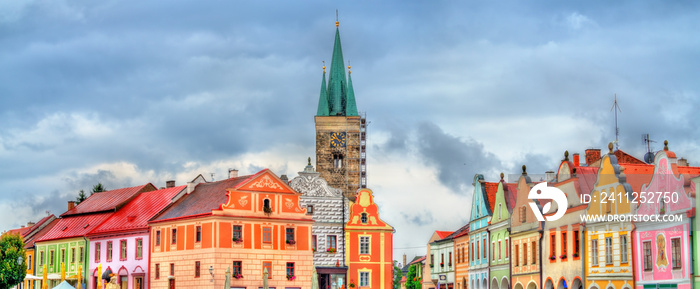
{"type": "Point", "coordinates": [130, 92]}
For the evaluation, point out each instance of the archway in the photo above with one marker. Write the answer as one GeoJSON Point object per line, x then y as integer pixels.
{"type": "Point", "coordinates": [464, 283]}
{"type": "Point", "coordinates": [532, 285]}
{"type": "Point", "coordinates": [549, 284]}
{"type": "Point", "coordinates": [577, 284]}
{"type": "Point", "coordinates": [504, 283]}
{"type": "Point", "coordinates": [485, 283]}
{"type": "Point", "coordinates": [494, 283]}
{"type": "Point", "coordinates": [518, 286]}
{"type": "Point", "coordinates": [562, 284]}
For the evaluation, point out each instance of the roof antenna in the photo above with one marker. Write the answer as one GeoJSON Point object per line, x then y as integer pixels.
{"type": "Point", "coordinates": [649, 156]}
{"type": "Point", "coordinates": [615, 108]}
{"type": "Point", "coordinates": [212, 176]}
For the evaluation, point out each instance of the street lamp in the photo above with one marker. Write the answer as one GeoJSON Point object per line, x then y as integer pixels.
{"type": "Point", "coordinates": [19, 260]}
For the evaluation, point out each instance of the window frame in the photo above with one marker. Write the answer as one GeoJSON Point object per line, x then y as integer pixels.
{"type": "Point", "coordinates": [676, 258]}
{"type": "Point", "coordinates": [647, 261]}
{"type": "Point", "coordinates": [267, 235]}
{"type": "Point", "coordinates": [198, 234]}
{"type": "Point", "coordinates": [267, 264]}
{"type": "Point", "coordinates": [138, 251]}
{"type": "Point", "coordinates": [364, 247]}
{"type": "Point", "coordinates": [290, 269]}
{"type": "Point", "coordinates": [237, 232]}
{"type": "Point", "coordinates": [98, 251]}
{"type": "Point", "coordinates": [110, 248]}
{"type": "Point", "coordinates": [237, 267]}
{"type": "Point", "coordinates": [609, 259]}
{"type": "Point", "coordinates": [123, 250]}
{"type": "Point", "coordinates": [173, 237]}
{"type": "Point", "coordinates": [197, 269]}
{"type": "Point", "coordinates": [623, 249]}
{"type": "Point", "coordinates": [594, 252]}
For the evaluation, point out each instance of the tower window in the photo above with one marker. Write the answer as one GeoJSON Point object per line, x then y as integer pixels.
{"type": "Point", "coordinates": [363, 218]}
{"type": "Point", "coordinates": [337, 161]}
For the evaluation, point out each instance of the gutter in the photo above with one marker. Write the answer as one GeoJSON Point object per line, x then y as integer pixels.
{"type": "Point", "coordinates": [541, 231]}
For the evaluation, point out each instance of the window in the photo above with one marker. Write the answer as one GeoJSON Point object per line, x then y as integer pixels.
{"type": "Point", "coordinates": [493, 251]}
{"type": "Point", "coordinates": [676, 253]}
{"type": "Point", "coordinates": [499, 249]}
{"type": "Point", "coordinates": [29, 262]}
{"type": "Point", "coordinates": [237, 233]}
{"type": "Point", "coordinates": [363, 218]}
{"type": "Point", "coordinates": [608, 206]}
{"type": "Point", "coordinates": [337, 161]}
{"type": "Point", "coordinates": [52, 256]}
{"type": "Point", "coordinates": [533, 251]}
{"type": "Point", "coordinates": [238, 268]}
{"type": "Point", "coordinates": [517, 255]}
{"type": "Point", "coordinates": [364, 279]}
{"type": "Point", "coordinates": [442, 259]}
{"type": "Point", "coordinates": [432, 260]}
{"type": "Point", "coordinates": [463, 256]}
{"type": "Point", "coordinates": [331, 243]}
{"type": "Point", "coordinates": [172, 269]}
{"type": "Point", "coordinates": [499, 211]}
{"type": "Point", "coordinates": [309, 209]}
{"type": "Point", "coordinates": [449, 260]}
{"type": "Point", "coordinates": [81, 254]}
{"type": "Point", "coordinates": [577, 244]}
{"type": "Point", "coordinates": [552, 247]}
{"type": "Point", "coordinates": [122, 244]}
{"type": "Point", "coordinates": [563, 243]}
{"type": "Point", "coordinates": [197, 266]}
{"type": "Point", "coordinates": [41, 258]}
{"type": "Point", "coordinates": [268, 266]}
{"type": "Point", "coordinates": [594, 252]}
{"type": "Point", "coordinates": [608, 251]}
{"type": "Point", "coordinates": [97, 252]}
{"type": "Point", "coordinates": [289, 235]}
{"type": "Point", "coordinates": [157, 271]}
{"type": "Point", "coordinates": [485, 248]}
{"type": "Point", "coordinates": [472, 252]}
{"type": "Point", "coordinates": [507, 248]}
{"type": "Point", "coordinates": [623, 248]}
{"type": "Point", "coordinates": [266, 206]}
{"type": "Point", "coordinates": [478, 245]}
{"type": "Point", "coordinates": [267, 235]}
{"type": "Point", "coordinates": [198, 234]}
{"type": "Point", "coordinates": [109, 251]}
{"type": "Point", "coordinates": [72, 255]}
{"type": "Point", "coordinates": [313, 243]}
{"type": "Point", "coordinates": [173, 233]}
{"type": "Point", "coordinates": [523, 214]}
{"type": "Point", "coordinates": [139, 248]}
{"type": "Point", "coordinates": [364, 245]}
{"type": "Point", "coordinates": [158, 238]}
{"type": "Point", "coordinates": [646, 245]}
{"type": "Point", "coordinates": [63, 256]}
{"type": "Point", "coordinates": [290, 268]}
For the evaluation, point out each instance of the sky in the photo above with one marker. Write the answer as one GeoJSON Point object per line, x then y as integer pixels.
{"type": "Point", "coordinates": [130, 92]}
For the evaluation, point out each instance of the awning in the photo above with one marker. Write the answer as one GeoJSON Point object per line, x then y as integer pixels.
{"type": "Point", "coordinates": [31, 277]}
{"type": "Point", "coordinates": [53, 276]}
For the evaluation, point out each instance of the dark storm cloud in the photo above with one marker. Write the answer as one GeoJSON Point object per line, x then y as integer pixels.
{"type": "Point", "coordinates": [456, 159]}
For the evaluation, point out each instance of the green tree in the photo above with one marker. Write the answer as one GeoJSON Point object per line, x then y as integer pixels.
{"type": "Point", "coordinates": [98, 188]}
{"type": "Point", "coordinates": [397, 275]}
{"type": "Point", "coordinates": [412, 279]}
{"type": "Point", "coordinates": [12, 272]}
{"type": "Point", "coordinates": [81, 197]}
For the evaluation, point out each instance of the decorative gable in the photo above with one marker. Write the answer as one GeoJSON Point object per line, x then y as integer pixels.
{"type": "Point", "coordinates": [266, 181]}
{"type": "Point", "coordinates": [610, 180]}
{"type": "Point", "coordinates": [667, 180]}
{"type": "Point", "coordinates": [500, 208]}
{"type": "Point", "coordinates": [364, 213]}
{"type": "Point", "coordinates": [480, 205]}
{"type": "Point", "coordinates": [262, 194]}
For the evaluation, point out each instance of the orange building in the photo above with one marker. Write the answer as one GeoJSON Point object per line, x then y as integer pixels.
{"type": "Point", "coordinates": [242, 224]}
{"type": "Point", "coordinates": [369, 245]}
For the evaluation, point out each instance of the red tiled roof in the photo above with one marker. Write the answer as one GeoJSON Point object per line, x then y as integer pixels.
{"type": "Point", "coordinates": [510, 195]}
{"type": "Point", "coordinates": [137, 212]}
{"type": "Point", "coordinates": [491, 189]}
{"type": "Point", "coordinates": [40, 223]}
{"type": "Point", "coordinates": [421, 259]}
{"type": "Point", "coordinates": [108, 200]}
{"type": "Point", "coordinates": [625, 158]}
{"type": "Point", "coordinates": [460, 232]}
{"type": "Point", "coordinates": [638, 175]}
{"type": "Point", "coordinates": [587, 177]}
{"type": "Point", "coordinates": [29, 242]}
{"type": "Point", "coordinates": [75, 226]}
{"type": "Point", "coordinates": [205, 198]}
{"type": "Point", "coordinates": [443, 234]}
{"type": "Point", "coordinates": [18, 231]}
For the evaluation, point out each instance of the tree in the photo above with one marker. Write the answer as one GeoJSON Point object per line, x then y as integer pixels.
{"type": "Point", "coordinates": [81, 197]}
{"type": "Point", "coordinates": [98, 188]}
{"type": "Point", "coordinates": [11, 249]}
{"type": "Point", "coordinates": [412, 280]}
{"type": "Point", "coordinates": [397, 276]}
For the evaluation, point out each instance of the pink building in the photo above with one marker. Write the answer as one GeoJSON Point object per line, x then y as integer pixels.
{"type": "Point", "coordinates": [121, 242]}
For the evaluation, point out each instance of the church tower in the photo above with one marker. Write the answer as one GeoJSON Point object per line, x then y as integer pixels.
{"type": "Point", "coordinates": [340, 129]}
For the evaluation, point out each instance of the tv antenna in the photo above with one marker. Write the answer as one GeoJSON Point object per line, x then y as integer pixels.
{"type": "Point", "coordinates": [616, 108]}
{"type": "Point", "coordinates": [649, 156]}
{"type": "Point", "coordinates": [212, 176]}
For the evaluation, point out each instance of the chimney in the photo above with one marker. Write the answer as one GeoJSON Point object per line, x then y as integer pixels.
{"type": "Point", "coordinates": [30, 224]}
{"type": "Point", "coordinates": [170, 184]}
{"type": "Point", "coordinates": [190, 187]}
{"type": "Point", "coordinates": [549, 176]}
{"type": "Point", "coordinates": [682, 162]}
{"type": "Point", "coordinates": [592, 155]}
{"type": "Point", "coordinates": [576, 160]}
{"type": "Point", "coordinates": [404, 259]}
{"type": "Point", "coordinates": [284, 178]}
{"type": "Point", "coordinates": [71, 205]}
{"type": "Point", "coordinates": [232, 173]}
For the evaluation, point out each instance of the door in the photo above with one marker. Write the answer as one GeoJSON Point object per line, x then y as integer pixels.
{"type": "Point", "coordinates": [171, 284]}
{"type": "Point", "coordinates": [138, 282]}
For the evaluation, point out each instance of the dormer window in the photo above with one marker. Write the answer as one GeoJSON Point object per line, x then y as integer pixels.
{"type": "Point", "coordinates": [337, 161]}
{"type": "Point", "coordinates": [266, 206]}
{"type": "Point", "coordinates": [363, 218]}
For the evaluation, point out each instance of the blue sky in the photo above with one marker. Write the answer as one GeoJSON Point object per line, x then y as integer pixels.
{"type": "Point", "coordinates": [126, 93]}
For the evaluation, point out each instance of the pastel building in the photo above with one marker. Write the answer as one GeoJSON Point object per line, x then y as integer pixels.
{"type": "Point", "coordinates": [525, 239]}
{"type": "Point", "coordinates": [695, 244]}
{"type": "Point", "coordinates": [35, 232]}
{"type": "Point", "coordinates": [461, 247]}
{"type": "Point", "coordinates": [369, 243]}
{"type": "Point", "coordinates": [443, 251]}
{"type": "Point", "coordinates": [479, 241]}
{"type": "Point", "coordinates": [65, 245]}
{"type": "Point", "coordinates": [662, 249]}
{"type": "Point", "coordinates": [248, 225]}
{"type": "Point", "coordinates": [562, 262]}
{"type": "Point", "coordinates": [608, 253]}
{"type": "Point", "coordinates": [428, 282]}
{"type": "Point", "coordinates": [328, 208]}
{"type": "Point", "coordinates": [499, 226]}
{"type": "Point", "coordinates": [121, 242]}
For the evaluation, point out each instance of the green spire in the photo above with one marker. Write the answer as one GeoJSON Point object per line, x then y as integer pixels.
{"type": "Point", "coordinates": [336, 81]}
{"type": "Point", "coordinates": [350, 106]}
{"type": "Point", "coordinates": [323, 97]}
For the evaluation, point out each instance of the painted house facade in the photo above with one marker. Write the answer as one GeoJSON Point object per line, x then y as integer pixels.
{"type": "Point", "coordinates": [443, 269]}
{"type": "Point", "coordinates": [525, 235]}
{"type": "Point", "coordinates": [369, 245]}
{"type": "Point", "coordinates": [35, 232]}
{"type": "Point", "coordinates": [121, 242]}
{"type": "Point", "coordinates": [663, 248]}
{"type": "Point", "coordinates": [498, 228]}
{"type": "Point", "coordinates": [428, 282]}
{"type": "Point", "coordinates": [461, 242]}
{"type": "Point", "coordinates": [608, 252]}
{"type": "Point", "coordinates": [481, 211]}
{"type": "Point", "coordinates": [249, 224]}
{"type": "Point", "coordinates": [328, 208]}
{"type": "Point", "coordinates": [66, 245]}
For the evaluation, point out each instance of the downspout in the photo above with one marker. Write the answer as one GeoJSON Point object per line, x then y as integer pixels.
{"type": "Point", "coordinates": [86, 261]}
{"type": "Point", "coordinates": [584, 241]}
{"type": "Point", "coordinates": [541, 230]}
{"type": "Point", "coordinates": [510, 259]}
{"type": "Point", "coordinates": [631, 260]}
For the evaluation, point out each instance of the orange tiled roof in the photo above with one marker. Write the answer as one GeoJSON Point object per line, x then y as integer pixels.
{"type": "Point", "coordinates": [491, 189]}
{"type": "Point", "coordinates": [443, 234]}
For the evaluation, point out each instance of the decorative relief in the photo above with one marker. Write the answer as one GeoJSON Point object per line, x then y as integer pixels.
{"type": "Point", "coordinates": [310, 184]}
{"type": "Point", "coordinates": [288, 202]}
{"type": "Point", "coordinates": [267, 182]}
{"type": "Point", "coordinates": [243, 201]}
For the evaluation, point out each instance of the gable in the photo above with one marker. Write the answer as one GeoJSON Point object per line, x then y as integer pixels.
{"type": "Point", "coordinates": [364, 205]}
{"type": "Point", "coordinates": [480, 206]}
{"type": "Point", "coordinates": [500, 208]}
{"type": "Point", "coordinates": [665, 179]}
{"type": "Point", "coordinates": [266, 181]}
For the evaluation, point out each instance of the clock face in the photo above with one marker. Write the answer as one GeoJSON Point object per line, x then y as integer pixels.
{"type": "Point", "coordinates": [337, 139]}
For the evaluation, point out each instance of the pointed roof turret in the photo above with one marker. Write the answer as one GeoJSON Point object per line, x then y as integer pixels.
{"type": "Point", "coordinates": [323, 97]}
{"type": "Point", "coordinates": [350, 106]}
{"type": "Point", "coordinates": [337, 81]}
